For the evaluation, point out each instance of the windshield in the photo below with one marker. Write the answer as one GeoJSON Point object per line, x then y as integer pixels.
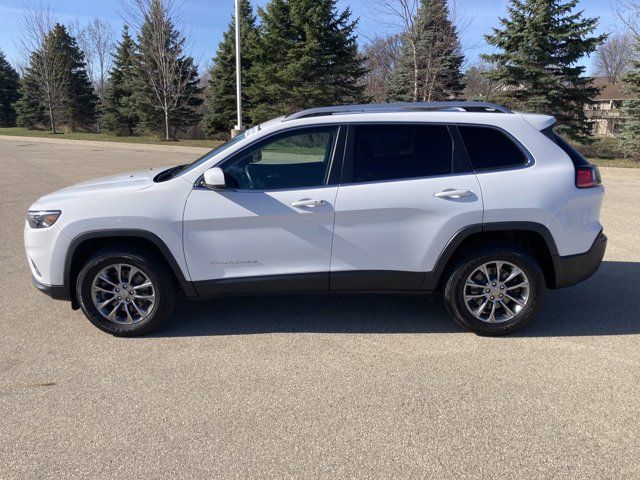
{"type": "Point", "coordinates": [212, 153]}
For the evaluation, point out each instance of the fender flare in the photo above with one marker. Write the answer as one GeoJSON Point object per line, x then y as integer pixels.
{"type": "Point", "coordinates": [187, 285]}
{"type": "Point", "coordinates": [432, 278]}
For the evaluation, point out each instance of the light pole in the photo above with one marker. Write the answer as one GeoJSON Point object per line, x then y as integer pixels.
{"type": "Point", "coordinates": [239, 128]}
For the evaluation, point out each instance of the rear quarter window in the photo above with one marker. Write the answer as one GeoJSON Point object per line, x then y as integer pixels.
{"type": "Point", "coordinates": [491, 149]}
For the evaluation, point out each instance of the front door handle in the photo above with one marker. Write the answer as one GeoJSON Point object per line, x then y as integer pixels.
{"type": "Point", "coordinates": [453, 193]}
{"type": "Point", "coordinates": [308, 202]}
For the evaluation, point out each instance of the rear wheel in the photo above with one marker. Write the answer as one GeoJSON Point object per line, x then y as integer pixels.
{"type": "Point", "coordinates": [126, 293]}
{"type": "Point", "coordinates": [495, 290]}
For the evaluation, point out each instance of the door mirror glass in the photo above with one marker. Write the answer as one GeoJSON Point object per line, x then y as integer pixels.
{"type": "Point", "coordinates": [214, 179]}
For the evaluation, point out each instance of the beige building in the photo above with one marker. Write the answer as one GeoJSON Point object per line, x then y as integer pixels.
{"type": "Point", "coordinates": [605, 110]}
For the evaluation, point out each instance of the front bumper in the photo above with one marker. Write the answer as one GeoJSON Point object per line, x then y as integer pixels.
{"type": "Point", "coordinates": [573, 269]}
{"type": "Point", "coordinates": [57, 292]}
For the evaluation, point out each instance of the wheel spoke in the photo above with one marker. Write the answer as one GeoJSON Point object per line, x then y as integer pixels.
{"type": "Point", "coordinates": [492, 317]}
{"type": "Point", "coordinates": [129, 317]}
{"type": "Point", "coordinates": [104, 278]}
{"type": "Point", "coordinates": [514, 273]}
{"type": "Point", "coordinates": [479, 311]}
{"type": "Point", "coordinates": [100, 289]}
{"type": "Point", "coordinates": [106, 302]}
{"type": "Point", "coordinates": [515, 300]}
{"type": "Point", "coordinates": [119, 271]}
{"type": "Point", "coordinates": [144, 285]}
{"type": "Point", "coordinates": [132, 273]}
{"type": "Point", "coordinates": [470, 297]}
{"type": "Point", "coordinates": [145, 297]}
{"type": "Point", "coordinates": [510, 312]}
{"type": "Point", "coordinates": [484, 270]}
{"type": "Point", "coordinates": [112, 315]}
{"type": "Point", "coordinates": [520, 285]}
{"type": "Point", "coordinates": [498, 270]}
{"type": "Point", "coordinates": [135, 305]}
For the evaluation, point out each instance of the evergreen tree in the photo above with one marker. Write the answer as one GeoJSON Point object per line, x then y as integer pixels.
{"type": "Point", "coordinates": [631, 111]}
{"type": "Point", "coordinates": [120, 105]}
{"type": "Point", "coordinates": [29, 110]}
{"type": "Point", "coordinates": [307, 57]}
{"type": "Point", "coordinates": [56, 85]}
{"type": "Point", "coordinates": [221, 90]}
{"type": "Point", "coordinates": [540, 46]}
{"type": "Point", "coordinates": [167, 86]}
{"type": "Point", "coordinates": [8, 92]}
{"type": "Point", "coordinates": [429, 68]}
{"type": "Point", "coordinates": [81, 105]}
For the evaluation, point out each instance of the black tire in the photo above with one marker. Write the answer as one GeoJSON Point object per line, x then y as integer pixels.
{"type": "Point", "coordinates": [455, 287]}
{"type": "Point", "coordinates": [154, 268]}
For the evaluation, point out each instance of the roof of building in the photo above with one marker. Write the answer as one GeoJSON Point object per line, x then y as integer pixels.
{"type": "Point", "coordinates": [609, 91]}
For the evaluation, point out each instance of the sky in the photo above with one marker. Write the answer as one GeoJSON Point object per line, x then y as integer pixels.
{"type": "Point", "coordinates": [204, 21]}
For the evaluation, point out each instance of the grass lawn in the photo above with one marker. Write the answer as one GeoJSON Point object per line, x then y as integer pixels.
{"type": "Point", "coordinates": [104, 137]}
{"type": "Point", "coordinates": [615, 162]}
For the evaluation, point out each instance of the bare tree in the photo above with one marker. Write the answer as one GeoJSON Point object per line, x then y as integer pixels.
{"type": "Point", "coordinates": [101, 38]}
{"type": "Point", "coordinates": [628, 11]}
{"type": "Point", "coordinates": [81, 34]}
{"type": "Point", "coordinates": [161, 64]}
{"type": "Point", "coordinates": [614, 56]}
{"type": "Point", "coordinates": [96, 40]}
{"type": "Point", "coordinates": [402, 15]}
{"type": "Point", "coordinates": [47, 65]}
{"type": "Point", "coordinates": [381, 56]}
{"type": "Point", "coordinates": [477, 85]}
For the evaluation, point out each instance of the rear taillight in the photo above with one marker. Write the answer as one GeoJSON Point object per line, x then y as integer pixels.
{"type": "Point", "coordinates": [588, 176]}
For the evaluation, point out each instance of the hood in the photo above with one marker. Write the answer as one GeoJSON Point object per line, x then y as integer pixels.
{"type": "Point", "coordinates": [114, 184]}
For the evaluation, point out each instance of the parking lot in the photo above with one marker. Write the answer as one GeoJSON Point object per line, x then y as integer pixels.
{"type": "Point", "coordinates": [313, 386]}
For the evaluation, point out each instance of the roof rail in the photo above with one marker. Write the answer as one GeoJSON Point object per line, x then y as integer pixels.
{"type": "Point", "coordinates": [400, 107]}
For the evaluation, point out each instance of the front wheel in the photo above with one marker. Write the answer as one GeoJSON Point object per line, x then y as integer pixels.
{"type": "Point", "coordinates": [495, 290]}
{"type": "Point", "coordinates": [125, 293]}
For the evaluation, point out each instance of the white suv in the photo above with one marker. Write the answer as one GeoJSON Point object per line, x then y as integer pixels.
{"type": "Point", "coordinates": [484, 204]}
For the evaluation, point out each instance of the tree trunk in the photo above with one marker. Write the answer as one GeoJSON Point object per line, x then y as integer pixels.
{"type": "Point", "coordinates": [166, 124]}
{"type": "Point", "coordinates": [52, 119]}
{"type": "Point", "coordinates": [415, 71]}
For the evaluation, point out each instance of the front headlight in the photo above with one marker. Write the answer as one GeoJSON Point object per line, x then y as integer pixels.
{"type": "Point", "coordinates": [42, 218]}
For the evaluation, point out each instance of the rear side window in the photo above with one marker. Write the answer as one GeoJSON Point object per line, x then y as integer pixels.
{"type": "Point", "coordinates": [395, 152]}
{"type": "Point", "coordinates": [490, 149]}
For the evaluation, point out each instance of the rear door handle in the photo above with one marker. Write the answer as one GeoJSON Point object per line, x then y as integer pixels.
{"type": "Point", "coordinates": [308, 202]}
{"type": "Point", "coordinates": [453, 193]}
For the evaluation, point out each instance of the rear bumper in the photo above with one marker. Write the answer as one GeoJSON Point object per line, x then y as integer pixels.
{"type": "Point", "coordinates": [57, 292]}
{"type": "Point", "coordinates": [574, 269]}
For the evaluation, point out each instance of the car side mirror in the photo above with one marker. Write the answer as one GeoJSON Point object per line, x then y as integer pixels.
{"type": "Point", "coordinates": [214, 179]}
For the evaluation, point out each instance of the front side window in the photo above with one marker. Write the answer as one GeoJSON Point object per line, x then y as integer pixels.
{"type": "Point", "coordinates": [490, 149]}
{"type": "Point", "coordinates": [395, 152]}
{"type": "Point", "coordinates": [295, 159]}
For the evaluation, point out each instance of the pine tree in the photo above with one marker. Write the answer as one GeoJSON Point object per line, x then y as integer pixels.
{"type": "Point", "coordinates": [540, 46]}
{"type": "Point", "coordinates": [8, 92]}
{"type": "Point", "coordinates": [631, 111]}
{"type": "Point", "coordinates": [221, 91]}
{"type": "Point", "coordinates": [81, 108]}
{"type": "Point", "coordinates": [429, 68]}
{"type": "Point", "coordinates": [307, 57]}
{"type": "Point", "coordinates": [120, 105]}
{"type": "Point", "coordinates": [167, 87]}
{"type": "Point", "coordinates": [29, 109]}
{"type": "Point", "coordinates": [56, 86]}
